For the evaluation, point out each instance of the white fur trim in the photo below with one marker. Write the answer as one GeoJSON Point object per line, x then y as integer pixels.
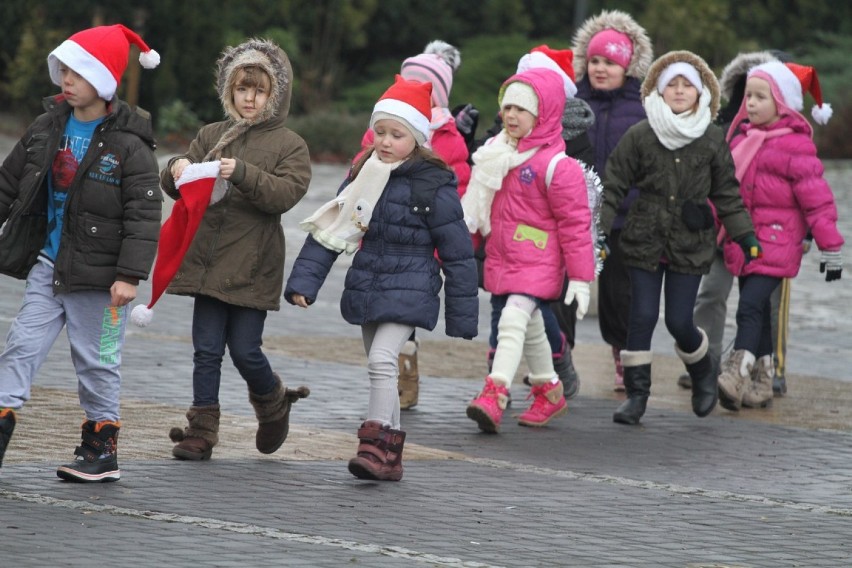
{"type": "Point", "coordinates": [149, 59]}
{"type": "Point", "coordinates": [822, 113]}
{"type": "Point", "coordinates": [538, 60]}
{"type": "Point", "coordinates": [788, 83]}
{"type": "Point", "coordinates": [680, 68]}
{"type": "Point", "coordinates": [402, 109]}
{"type": "Point", "coordinates": [84, 64]}
{"type": "Point", "coordinates": [194, 172]}
{"type": "Point", "coordinates": [141, 315]}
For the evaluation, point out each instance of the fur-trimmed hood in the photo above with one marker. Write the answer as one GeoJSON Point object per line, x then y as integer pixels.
{"type": "Point", "coordinates": [708, 78]}
{"type": "Point", "coordinates": [643, 50]}
{"type": "Point", "coordinates": [738, 68]}
{"type": "Point", "coordinates": [267, 56]}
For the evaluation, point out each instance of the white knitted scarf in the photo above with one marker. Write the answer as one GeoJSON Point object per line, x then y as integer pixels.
{"type": "Point", "coordinates": [491, 163]}
{"type": "Point", "coordinates": [677, 130]}
{"type": "Point", "coordinates": [340, 223]}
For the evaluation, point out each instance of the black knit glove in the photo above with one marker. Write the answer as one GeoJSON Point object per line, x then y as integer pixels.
{"type": "Point", "coordinates": [467, 119]}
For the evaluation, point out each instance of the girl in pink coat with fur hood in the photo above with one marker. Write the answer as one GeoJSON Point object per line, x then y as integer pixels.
{"type": "Point", "coordinates": [782, 186]}
{"type": "Point", "coordinates": [531, 203]}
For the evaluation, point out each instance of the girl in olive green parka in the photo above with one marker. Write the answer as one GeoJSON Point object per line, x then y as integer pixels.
{"type": "Point", "coordinates": [678, 160]}
{"type": "Point", "coordinates": [234, 267]}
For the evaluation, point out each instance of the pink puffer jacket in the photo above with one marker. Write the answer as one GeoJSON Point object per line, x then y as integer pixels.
{"type": "Point", "coordinates": [537, 233]}
{"type": "Point", "coordinates": [785, 193]}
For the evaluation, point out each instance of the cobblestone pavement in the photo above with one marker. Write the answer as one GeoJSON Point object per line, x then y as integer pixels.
{"type": "Point", "coordinates": [677, 491]}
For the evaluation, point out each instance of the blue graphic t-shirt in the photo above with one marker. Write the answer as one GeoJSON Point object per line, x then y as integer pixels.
{"type": "Point", "coordinates": [72, 148]}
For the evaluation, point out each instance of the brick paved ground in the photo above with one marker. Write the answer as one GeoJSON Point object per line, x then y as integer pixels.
{"type": "Point", "coordinates": [678, 491]}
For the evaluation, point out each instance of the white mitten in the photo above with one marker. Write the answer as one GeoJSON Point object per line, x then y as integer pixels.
{"type": "Point", "coordinates": [580, 291]}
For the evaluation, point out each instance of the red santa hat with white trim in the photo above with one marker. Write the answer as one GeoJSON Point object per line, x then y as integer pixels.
{"type": "Point", "coordinates": [200, 186]}
{"type": "Point", "coordinates": [410, 103]}
{"type": "Point", "coordinates": [793, 80]}
{"type": "Point", "coordinates": [99, 55]}
{"type": "Point", "coordinates": [559, 60]}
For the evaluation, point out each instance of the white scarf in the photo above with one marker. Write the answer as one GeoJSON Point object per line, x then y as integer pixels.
{"type": "Point", "coordinates": [491, 163]}
{"type": "Point", "coordinates": [340, 223]}
{"type": "Point", "coordinates": [677, 130]}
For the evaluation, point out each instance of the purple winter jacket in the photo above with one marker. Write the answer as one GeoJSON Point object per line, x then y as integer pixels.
{"type": "Point", "coordinates": [537, 232]}
{"type": "Point", "coordinates": [615, 112]}
{"type": "Point", "coordinates": [785, 193]}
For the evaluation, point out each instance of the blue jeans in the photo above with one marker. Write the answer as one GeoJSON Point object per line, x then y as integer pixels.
{"type": "Point", "coordinates": [754, 314]}
{"type": "Point", "coordinates": [215, 325]}
{"type": "Point", "coordinates": [680, 293]}
{"type": "Point", "coordinates": [551, 324]}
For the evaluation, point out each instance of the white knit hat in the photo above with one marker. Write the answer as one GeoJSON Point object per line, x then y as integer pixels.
{"type": "Point", "coordinates": [689, 72]}
{"type": "Point", "coordinates": [521, 95]}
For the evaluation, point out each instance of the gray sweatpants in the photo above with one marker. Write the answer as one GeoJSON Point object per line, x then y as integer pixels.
{"type": "Point", "coordinates": [95, 332]}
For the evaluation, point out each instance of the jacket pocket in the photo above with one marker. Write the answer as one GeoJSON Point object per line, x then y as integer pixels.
{"type": "Point", "coordinates": [101, 240]}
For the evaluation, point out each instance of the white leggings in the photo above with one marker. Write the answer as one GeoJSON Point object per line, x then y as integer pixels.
{"type": "Point", "coordinates": [382, 344]}
{"type": "Point", "coordinates": [520, 332]}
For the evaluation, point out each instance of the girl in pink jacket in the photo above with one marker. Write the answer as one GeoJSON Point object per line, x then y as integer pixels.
{"type": "Point", "coordinates": [782, 186]}
{"type": "Point", "coordinates": [531, 203]}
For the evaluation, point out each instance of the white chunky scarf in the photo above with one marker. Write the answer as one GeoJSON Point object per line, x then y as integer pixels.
{"type": "Point", "coordinates": [491, 163]}
{"type": "Point", "coordinates": [677, 130]}
{"type": "Point", "coordinates": [340, 223]}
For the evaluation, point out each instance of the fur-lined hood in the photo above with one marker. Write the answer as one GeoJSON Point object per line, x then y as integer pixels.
{"type": "Point", "coordinates": [739, 67]}
{"type": "Point", "coordinates": [267, 56]}
{"type": "Point", "coordinates": [643, 49]}
{"type": "Point", "coordinates": [708, 78]}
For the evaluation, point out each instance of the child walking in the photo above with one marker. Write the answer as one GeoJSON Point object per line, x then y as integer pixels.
{"type": "Point", "coordinates": [398, 207]}
{"type": "Point", "coordinates": [436, 65]}
{"type": "Point", "coordinates": [234, 267]}
{"type": "Point", "coordinates": [783, 188]}
{"type": "Point", "coordinates": [678, 160]}
{"type": "Point", "coordinates": [80, 208]}
{"type": "Point", "coordinates": [535, 232]}
{"type": "Point", "coordinates": [612, 56]}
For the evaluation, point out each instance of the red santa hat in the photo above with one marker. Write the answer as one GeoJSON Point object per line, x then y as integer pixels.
{"type": "Point", "coordinates": [410, 103]}
{"type": "Point", "coordinates": [793, 80]}
{"type": "Point", "coordinates": [99, 55]}
{"type": "Point", "coordinates": [199, 186]}
{"type": "Point", "coordinates": [559, 60]}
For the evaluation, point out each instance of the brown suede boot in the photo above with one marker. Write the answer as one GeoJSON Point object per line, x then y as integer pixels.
{"type": "Point", "coordinates": [273, 415]}
{"type": "Point", "coordinates": [196, 441]}
{"type": "Point", "coordinates": [379, 453]}
{"type": "Point", "coordinates": [408, 382]}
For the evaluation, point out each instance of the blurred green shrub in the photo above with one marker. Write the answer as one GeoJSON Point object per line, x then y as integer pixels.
{"type": "Point", "coordinates": [177, 124]}
{"type": "Point", "coordinates": [333, 136]}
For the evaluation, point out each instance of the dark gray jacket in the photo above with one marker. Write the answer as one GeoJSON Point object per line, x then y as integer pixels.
{"type": "Point", "coordinates": [113, 209]}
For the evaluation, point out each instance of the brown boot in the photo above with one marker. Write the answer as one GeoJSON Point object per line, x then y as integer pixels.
{"type": "Point", "coordinates": [379, 453]}
{"type": "Point", "coordinates": [273, 415]}
{"type": "Point", "coordinates": [408, 383]}
{"type": "Point", "coordinates": [196, 441]}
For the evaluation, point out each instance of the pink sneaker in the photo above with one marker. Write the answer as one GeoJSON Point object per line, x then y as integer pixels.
{"type": "Point", "coordinates": [548, 402]}
{"type": "Point", "coordinates": [487, 408]}
{"type": "Point", "coordinates": [619, 370]}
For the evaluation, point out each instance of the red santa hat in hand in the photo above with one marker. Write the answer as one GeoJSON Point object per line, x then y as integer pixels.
{"type": "Point", "coordinates": [99, 55]}
{"type": "Point", "coordinates": [199, 186]}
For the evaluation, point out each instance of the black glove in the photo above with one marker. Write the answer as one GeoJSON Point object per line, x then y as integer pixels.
{"type": "Point", "coordinates": [467, 119]}
{"type": "Point", "coordinates": [831, 263]}
{"type": "Point", "coordinates": [751, 247]}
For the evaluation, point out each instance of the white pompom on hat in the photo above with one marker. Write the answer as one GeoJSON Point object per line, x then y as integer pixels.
{"type": "Point", "coordinates": [99, 55]}
{"type": "Point", "coordinates": [793, 80]}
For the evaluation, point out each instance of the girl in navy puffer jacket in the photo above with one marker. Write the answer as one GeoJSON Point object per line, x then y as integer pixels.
{"type": "Point", "coordinates": [399, 206]}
